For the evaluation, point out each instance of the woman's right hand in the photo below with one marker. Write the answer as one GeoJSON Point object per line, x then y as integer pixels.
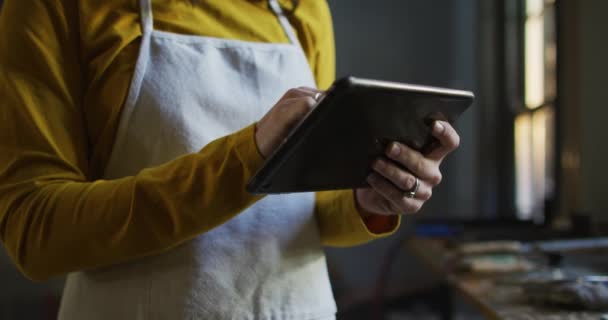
{"type": "Point", "coordinates": [284, 115]}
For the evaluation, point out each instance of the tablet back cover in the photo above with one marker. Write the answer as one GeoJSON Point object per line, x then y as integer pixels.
{"type": "Point", "coordinates": [334, 146]}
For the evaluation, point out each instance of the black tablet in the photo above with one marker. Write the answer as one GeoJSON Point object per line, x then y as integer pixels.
{"type": "Point", "coordinates": [333, 147]}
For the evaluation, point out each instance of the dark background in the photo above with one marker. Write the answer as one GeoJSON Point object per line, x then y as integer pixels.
{"type": "Point", "coordinates": [457, 44]}
{"type": "Point", "coordinates": [431, 42]}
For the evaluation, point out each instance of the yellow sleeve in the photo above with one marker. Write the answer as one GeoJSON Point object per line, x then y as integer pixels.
{"type": "Point", "coordinates": [325, 55]}
{"type": "Point", "coordinates": [318, 40]}
{"type": "Point", "coordinates": [341, 225]}
{"type": "Point", "coordinates": [339, 221]}
{"type": "Point", "coordinates": [54, 220]}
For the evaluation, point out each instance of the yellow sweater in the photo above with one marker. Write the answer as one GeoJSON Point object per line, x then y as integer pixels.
{"type": "Point", "coordinates": [65, 68]}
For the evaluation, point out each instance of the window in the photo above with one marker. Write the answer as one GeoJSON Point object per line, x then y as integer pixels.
{"type": "Point", "coordinates": [534, 125]}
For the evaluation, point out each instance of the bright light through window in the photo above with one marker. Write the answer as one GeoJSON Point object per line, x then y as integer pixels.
{"type": "Point", "coordinates": [533, 158]}
{"type": "Point", "coordinates": [535, 7]}
{"type": "Point", "coordinates": [523, 166]}
{"type": "Point", "coordinates": [534, 54]}
{"type": "Point", "coordinates": [539, 152]}
{"type": "Point", "coordinates": [533, 130]}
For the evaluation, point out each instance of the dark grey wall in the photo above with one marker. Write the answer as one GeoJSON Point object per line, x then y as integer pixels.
{"type": "Point", "coordinates": [431, 42]}
{"type": "Point", "coordinates": [425, 42]}
{"type": "Point", "coordinates": [593, 94]}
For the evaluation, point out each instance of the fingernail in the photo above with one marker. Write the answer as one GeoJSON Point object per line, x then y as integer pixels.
{"type": "Point", "coordinates": [438, 127]}
{"type": "Point", "coordinates": [394, 150]}
{"type": "Point", "coordinates": [379, 165]}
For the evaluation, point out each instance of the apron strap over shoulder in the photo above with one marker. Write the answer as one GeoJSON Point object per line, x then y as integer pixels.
{"type": "Point", "coordinates": [147, 20]}
{"type": "Point", "coordinates": [278, 11]}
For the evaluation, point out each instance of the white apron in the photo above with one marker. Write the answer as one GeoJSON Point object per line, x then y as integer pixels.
{"type": "Point", "coordinates": [267, 262]}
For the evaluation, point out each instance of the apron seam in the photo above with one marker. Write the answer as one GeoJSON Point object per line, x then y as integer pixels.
{"type": "Point", "coordinates": [215, 42]}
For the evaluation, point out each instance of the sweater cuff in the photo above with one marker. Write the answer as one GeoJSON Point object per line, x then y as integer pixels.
{"type": "Point", "coordinates": [374, 226]}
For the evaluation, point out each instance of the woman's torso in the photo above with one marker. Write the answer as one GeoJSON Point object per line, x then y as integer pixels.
{"type": "Point", "coordinates": [264, 264]}
{"type": "Point", "coordinates": [110, 31]}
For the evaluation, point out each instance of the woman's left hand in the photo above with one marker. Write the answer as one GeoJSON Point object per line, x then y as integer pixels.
{"type": "Point", "coordinates": [393, 179]}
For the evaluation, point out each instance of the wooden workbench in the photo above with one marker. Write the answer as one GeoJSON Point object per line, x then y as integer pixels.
{"type": "Point", "coordinates": [493, 298]}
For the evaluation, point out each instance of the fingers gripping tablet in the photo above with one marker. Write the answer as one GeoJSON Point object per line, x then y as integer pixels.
{"type": "Point", "coordinates": [333, 147]}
